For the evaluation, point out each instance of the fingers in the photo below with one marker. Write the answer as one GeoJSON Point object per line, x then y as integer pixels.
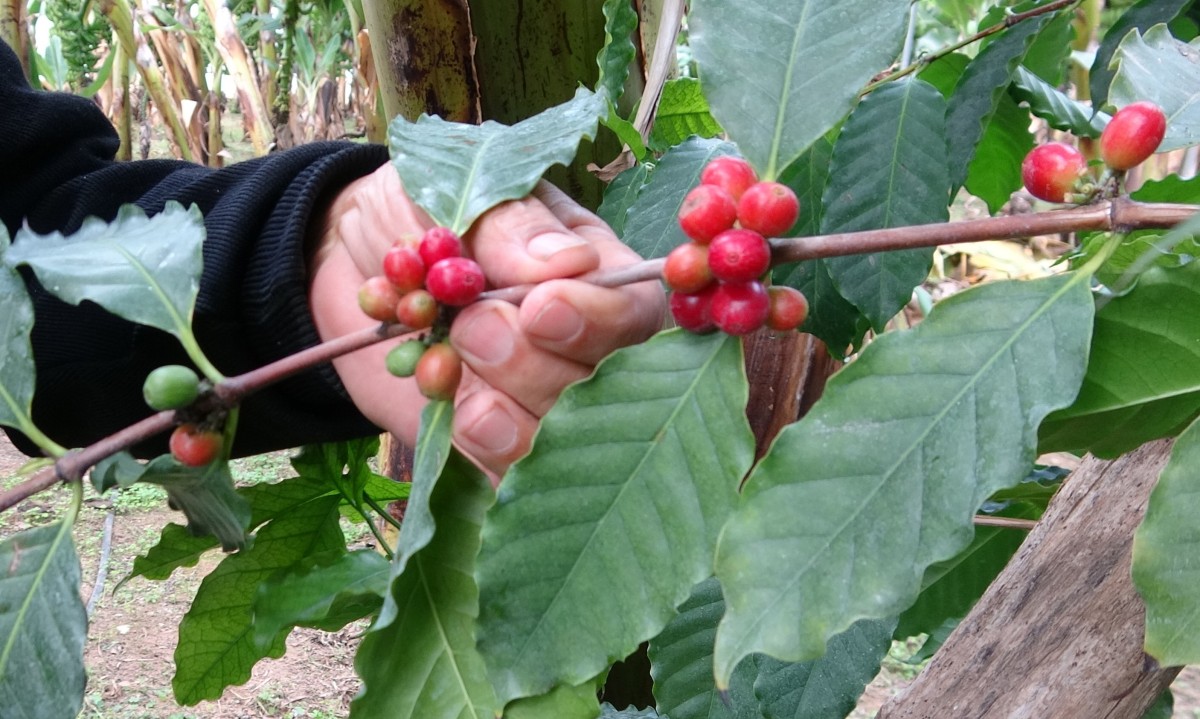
{"type": "Point", "coordinates": [522, 241]}
{"type": "Point", "coordinates": [493, 429]}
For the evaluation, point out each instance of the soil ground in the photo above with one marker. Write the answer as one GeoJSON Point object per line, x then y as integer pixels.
{"type": "Point", "coordinates": [132, 631]}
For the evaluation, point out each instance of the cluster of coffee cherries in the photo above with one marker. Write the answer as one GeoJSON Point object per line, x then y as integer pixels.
{"type": "Point", "coordinates": [716, 279]}
{"type": "Point", "coordinates": [174, 387]}
{"type": "Point", "coordinates": [1057, 171]}
{"type": "Point", "coordinates": [421, 280]}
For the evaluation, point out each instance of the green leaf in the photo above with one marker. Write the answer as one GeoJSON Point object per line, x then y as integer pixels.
{"type": "Point", "coordinates": [780, 75]}
{"type": "Point", "coordinates": [17, 371]}
{"type": "Point", "coordinates": [206, 496]}
{"type": "Point", "coordinates": [217, 646]}
{"type": "Point", "coordinates": [1143, 380]}
{"type": "Point", "coordinates": [325, 591]}
{"type": "Point", "coordinates": [43, 625]}
{"type": "Point", "coordinates": [620, 195]}
{"type": "Point", "coordinates": [681, 663]}
{"type": "Point", "coordinates": [457, 172]}
{"type": "Point", "coordinates": [384, 489]}
{"type": "Point", "coordinates": [1165, 71]}
{"type": "Point", "coordinates": [124, 266]}
{"type": "Point", "coordinates": [682, 112]}
{"type": "Point", "coordinates": [563, 702]}
{"type": "Point", "coordinates": [607, 711]}
{"type": "Point", "coordinates": [979, 90]}
{"type": "Point", "coordinates": [831, 317]}
{"type": "Point", "coordinates": [995, 171]}
{"type": "Point", "coordinates": [342, 464]}
{"type": "Point", "coordinates": [827, 687]}
{"type": "Point", "coordinates": [1140, 16]}
{"type": "Point", "coordinates": [423, 664]}
{"type": "Point", "coordinates": [807, 177]}
{"type": "Point", "coordinates": [651, 224]}
{"type": "Point", "coordinates": [1049, 55]}
{"type": "Point", "coordinates": [1163, 707]}
{"type": "Point", "coordinates": [618, 52]}
{"type": "Point", "coordinates": [888, 170]}
{"type": "Point", "coordinates": [828, 533]}
{"type": "Point", "coordinates": [630, 478]}
{"type": "Point", "coordinates": [945, 72]}
{"type": "Point", "coordinates": [1166, 565]}
{"type": "Point", "coordinates": [1058, 110]}
{"type": "Point", "coordinates": [117, 470]}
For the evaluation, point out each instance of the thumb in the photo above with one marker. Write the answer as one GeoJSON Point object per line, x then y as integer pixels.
{"type": "Point", "coordinates": [522, 241]}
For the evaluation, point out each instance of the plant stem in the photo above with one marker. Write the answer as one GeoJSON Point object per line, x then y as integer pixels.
{"type": "Point", "coordinates": [378, 536]}
{"type": "Point", "coordinates": [1119, 215]}
{"type": "Point", "coordinates": [981, 520]}
{"type": "Point", "coordinates": [1008, 22]}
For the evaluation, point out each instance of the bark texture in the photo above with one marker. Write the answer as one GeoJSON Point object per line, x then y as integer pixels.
{"type": "Point", "coordinates": [1059, 633]}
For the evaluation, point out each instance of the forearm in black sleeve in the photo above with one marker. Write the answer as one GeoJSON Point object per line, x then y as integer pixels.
{"type": "Point", "coordinates": [253, 303]}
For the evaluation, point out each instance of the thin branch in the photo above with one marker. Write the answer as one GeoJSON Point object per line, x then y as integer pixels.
{"type": "Point", "coordinates": [982, 520]}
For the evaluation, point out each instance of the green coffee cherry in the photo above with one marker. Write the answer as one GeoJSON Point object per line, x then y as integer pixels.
{"type": "Point", "coordinates": [402, 359]}
{"type": "Point", "coordinates": [171, 387]}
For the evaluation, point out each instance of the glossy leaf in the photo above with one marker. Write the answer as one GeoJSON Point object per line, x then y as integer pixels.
{"type": "Point", "coordinates": [828, 534]}
{"type": "Point", "coordinates": [1143, 380]}
{"type": "Point", "coordinates": [457, 172]}
{"type": "Point", "coordinates": [979, 90]}
{"type": "Point", "coordinates": [620, 195]}
{"type": "Point", "coordinates": [630, 478]}
{"type": "Point", "coordinates": [423, 663]}
{"type": "Point", "coordinates": [16, 353]}
{"type": "Point", "coordinates": [620, 21]}
{"type": "Point", "coordinates": [1166, 564]}
{"type": "Point", "coordinates": [562, 702]}
{"type": "Point", "coordinates": [807, 177]}
{"type": "Point", "coordinates": [651, 224]}
{"type": "Point", "coordinates": [764, 64]}
{"type": "Point", "coordinates": [324, 591]}
{"type": "Point", "coordinates": [681, 663]}
{"type": "Point", "coordinates": [1058, 110]}
{"type": "Point", "coordinates": [124, 266]}
{"type": "Point", "coordinates": [1140, 16]}
{"type": "Point", "coordinates": [888, 170]}
{"type": "Point", "coordinates": [217, 646]}
{"type": "Point", "coordinates": [1157, 67]}
{"type": "Point", "coordinates": [206, 496]}
{"type": "Point", "coordinates": [995, 171]}
{"type": "Point", "coordinates": [682, 112]}
{"type": "Point", "coordinates": [43, 625]}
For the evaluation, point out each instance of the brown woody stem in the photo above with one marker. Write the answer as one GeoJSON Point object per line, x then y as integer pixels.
{"type": "Point", "coordinates": [1116, 215]}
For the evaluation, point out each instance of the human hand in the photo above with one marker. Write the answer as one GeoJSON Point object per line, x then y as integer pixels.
{"type": "Point", "coordinates": [518, 359]}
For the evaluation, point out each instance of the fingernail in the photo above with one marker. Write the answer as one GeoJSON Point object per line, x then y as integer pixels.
{"type": "Point", "coordinates": [495, 432]}
{"type": "Point", "coordinates": [557, 322]}
{"type": "Point", "coordinates": [548, 244]}
{"type": "Point", "coordinates": [488, 339]}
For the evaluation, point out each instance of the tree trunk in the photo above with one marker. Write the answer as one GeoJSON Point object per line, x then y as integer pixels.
{"type": "Point", "coordinates": [1059, 633]}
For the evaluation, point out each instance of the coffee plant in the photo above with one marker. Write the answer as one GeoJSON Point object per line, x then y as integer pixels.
{"type": "Point", "coordinates": [765, 583]}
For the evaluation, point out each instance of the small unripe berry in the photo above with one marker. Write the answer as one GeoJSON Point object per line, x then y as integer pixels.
{"type": "Point", "coordinates": [377, 298]}
{"type": "Point", "coordinates": [706, 211]}
{"type": "Point", "coordinates": [171, 387]}
{"type": "Point", "coordinates": [404, 268]}
{"type": "Point", "coordinates": [402, 359]}
{"type": "Point", "coordinates": [686, 268]}
{"type": "Point", "coordinates": [439, 372]}
{"type": "Point", "coordinates": [438, 243]}
{"type": "Point", "coordinates": [1051, 171]}
{"type": "Point", "coordinates": [417, 310]}
{"type": "Point", "coordinates": [1132, 136]}
{"type": "Point", "coordinates": [194, 446]}
{"type": "Point", "coordinates": [739, 308]}
{"type": "Point", "coordinates": [455, 281]}
{"type": "Point", "coordinates": [691, 310]}
{"type": "Point", "coordinates": [788, 308]}
{"type": "Point", "coordinates": [768, 208]}
{"type": "Point", "coordinates": [739, 255]}
{"type": "Point", "coordinates": [731, 173]}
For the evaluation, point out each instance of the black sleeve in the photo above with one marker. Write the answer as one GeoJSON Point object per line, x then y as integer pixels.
{"type": "Point", "coordinates": [57, 151]}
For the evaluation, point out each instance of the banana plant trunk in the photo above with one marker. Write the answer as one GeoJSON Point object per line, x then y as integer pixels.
{"type": "Point", "coordinates": [14, 30]}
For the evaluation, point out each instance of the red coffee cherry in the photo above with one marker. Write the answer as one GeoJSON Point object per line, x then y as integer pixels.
{"type": "Point", "coordinates": [193, 446]}
{"type": "Point", "coordinates": [768, 208]}
{"type": "Point", "coordinates": [706, 211]}
{"type": "Point", "coordinates": [739, 255]}
{"type": "Point", "coordinates": [417, 310]}
{"type": "Point", "coordinates": [404, 268]}
{"type": "Point", "coordinates": [455, 281]}
{"type": "Point", "coordinates": [1132, 136]}
{"type": "Point", "coordinates": [739, 308]}
{"type": "Point", "coordinates": [377, 298]}
{"type": "Point", "coordinates": [730, 173]}
{"type": "Point", "coordinates": [788, 308]}
{"type": "Point", "coordinates": [686, 268]}
{"type": "Point", "coordinates": [691, 310]}
{"type": "Point", "coordinates": [439, 372]}
{"type": "Point", "coordinates": [438, 243]}
{"type": "Point", "coordinates": [1051, 171]}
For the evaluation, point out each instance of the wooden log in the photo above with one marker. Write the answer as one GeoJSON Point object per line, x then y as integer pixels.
{"type": "Point", "coordinates": [1059, 633]}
